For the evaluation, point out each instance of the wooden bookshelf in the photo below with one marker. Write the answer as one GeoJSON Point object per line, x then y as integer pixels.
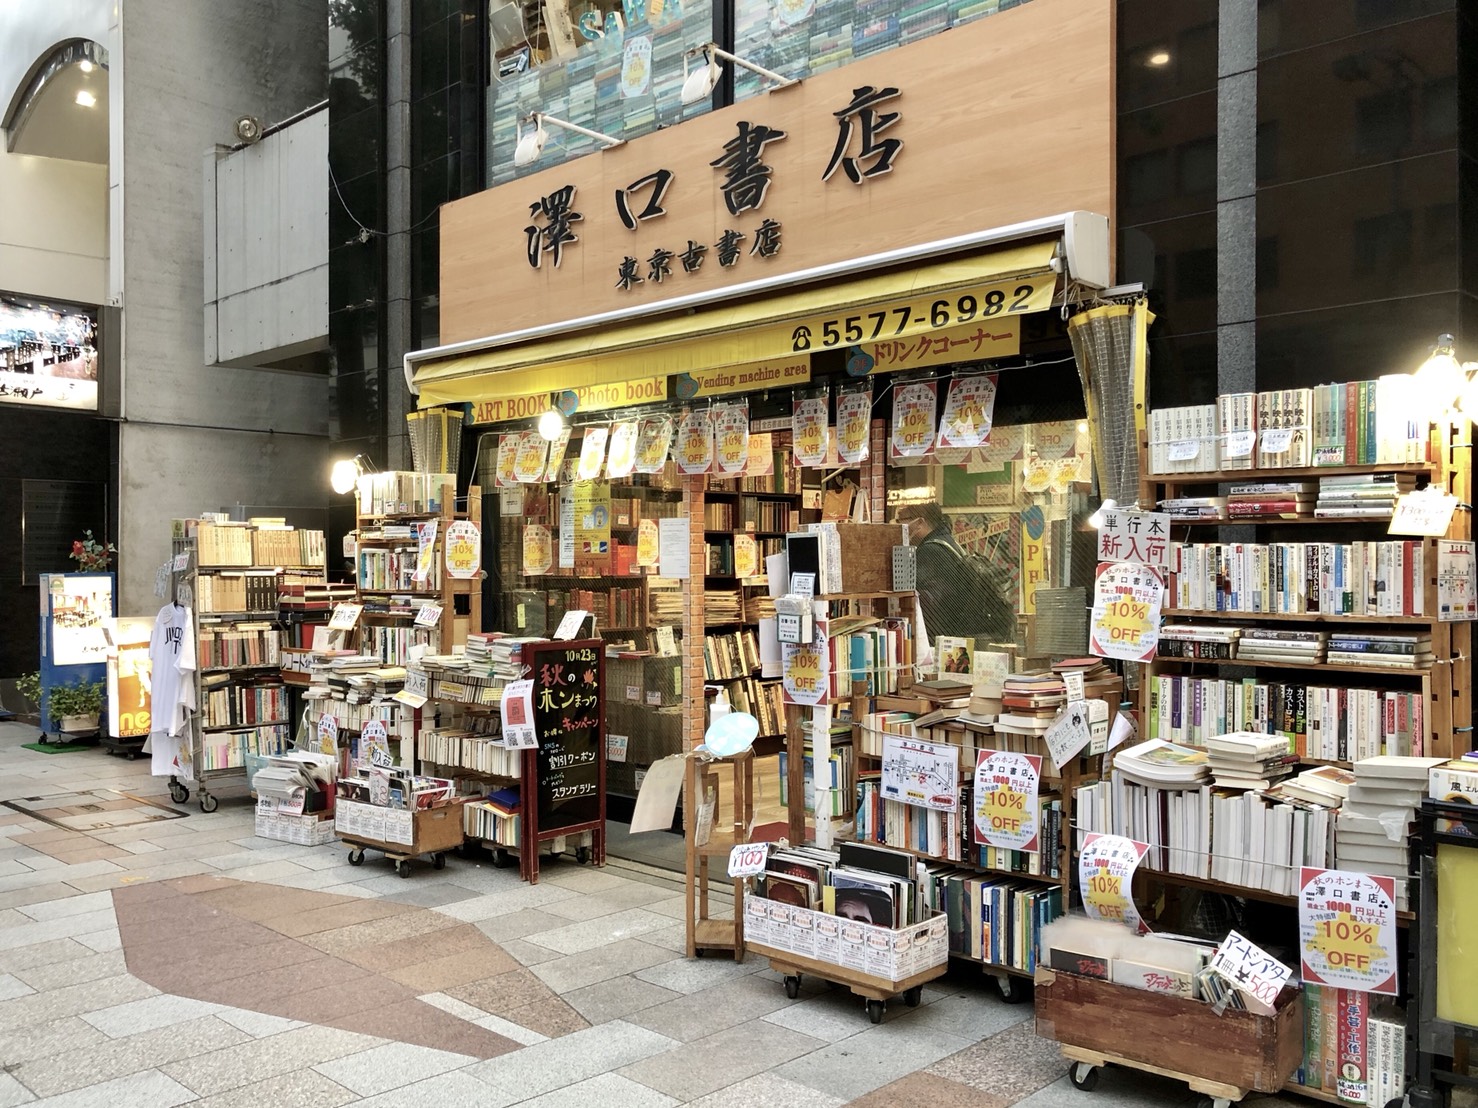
{"type": "Point", "coordinates": [1322, 667]}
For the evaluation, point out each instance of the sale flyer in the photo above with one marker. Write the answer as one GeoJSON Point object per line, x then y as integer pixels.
{"type": "Point", "coordinates": [1006, 786]}
{"type": "Point", "coordinates": [1125, 622]}
{"type": "Point", "coordinates": [557, 450]}
{"type": "Point", "coordinates": [969, 411]}
{"type": "Point", "coordinates": [761, 461]}
{"type": "Point", "coordinates": [621, 455]}
{"type": "Point", "coordinates": [854, 421]}
{"type": "Point", "coordinates": [1106, 876]}
{"type": "Point", "coordinates": [530, 459]}
{"type": "Point", "coordinates": [652, 444]}
{"type": "Point", "coordinates": [508, 460]}
{"type": "Point", "coordinates": [914, 406]}
{"type": "Point", "coordinates": [1347, 930]}
{"type": "Point", "coordinates": [538, 549]}
{"type": "Point", "coordinates": [804, 675]}
{"type": "Point", "coordinates": [646, 542]}
{"type": "Point", "coordinates": [746, 557]}
{"type": "Point", "coordinates": [731, 437]}
{"type": "Point", "coordinates": [695, 442]}
{"type": "Point", "coordinates": [592, 453]}
{"type": "Point", "coordinates": [810, 434]}
{"type": "Point", "coordinates": [463, 549]}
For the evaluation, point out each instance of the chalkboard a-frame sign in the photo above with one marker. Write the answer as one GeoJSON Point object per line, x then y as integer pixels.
{"type": "Point", "coordinates": [569, 767]}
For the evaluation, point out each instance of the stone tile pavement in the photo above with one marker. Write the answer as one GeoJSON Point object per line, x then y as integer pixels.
{"type": "Point", "coordinates": [185, 961]}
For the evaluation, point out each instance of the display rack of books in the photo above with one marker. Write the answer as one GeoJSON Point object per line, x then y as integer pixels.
{"type": "Point", "coordinates": [355, 702]}
{"type": "Point", "coordinates": [998, 897]}
{"type": "Point", "coordinates": [234, 572]}
{"type": "Point", "coordinates": [401, 570]}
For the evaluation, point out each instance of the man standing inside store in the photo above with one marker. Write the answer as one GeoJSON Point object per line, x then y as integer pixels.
{"type": "Point", "coordinates": [960, 594]}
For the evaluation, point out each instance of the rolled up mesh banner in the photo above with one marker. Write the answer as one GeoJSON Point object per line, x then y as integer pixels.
{"type": "Point", "coordinates": [1110, 346]}
{"type": "Point", "coordinates": [436, 440]}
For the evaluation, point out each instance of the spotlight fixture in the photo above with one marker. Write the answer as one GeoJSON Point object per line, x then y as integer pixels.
{"type": "Point", "coordinates": [531, 142]}
{"type": "Point", "coordinates": [249, 129]}
{"type": "Point", "coordinates": [551, 425]}
{"type": "Point", "coordinates": [1158, 58]}
{"type": "Point", "coordinates": [86, 99]}
{"type": "Point", "coordinates": [1095, 521]}
{"type": "Point", "coordinates": [698, 85]}
{"type": "Point", "coordinates": [346, 473]}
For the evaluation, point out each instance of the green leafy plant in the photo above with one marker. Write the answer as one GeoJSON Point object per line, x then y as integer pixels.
{"type": "Point", "coordinates": [91, 555]}
{"type": "Point", "coordinates": [29, 686]}
{"type": "Point", "coordinates": [80, 699]}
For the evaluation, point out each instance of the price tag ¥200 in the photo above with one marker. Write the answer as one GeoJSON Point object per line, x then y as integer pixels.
{"type": "Point", "coordinates": [748, 859]}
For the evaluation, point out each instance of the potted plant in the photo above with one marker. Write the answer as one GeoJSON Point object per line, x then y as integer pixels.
{"type": "Point", "coordinates": [29, 686]}
{"type": "Point", "coordinates": [92, 556]}
{"type": "Point", "coordinates": [75, 708]}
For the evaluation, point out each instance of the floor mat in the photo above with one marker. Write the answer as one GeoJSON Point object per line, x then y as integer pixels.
{"type": "Point", "coordinates": [97, 810]}
{"type": "Point", "coordinates": [58, 748]}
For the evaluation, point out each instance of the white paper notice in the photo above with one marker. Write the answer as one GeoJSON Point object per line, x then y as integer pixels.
{"type": "Point", "coordinates": [777, 570]}
{"type": "Point", "coordinates": [1123, 730]}
{"type": "Point", "coordinates": [672, 547]}
{"type": "Point", "coordinates": [1069, 733]}
{"type": "Point", "coordinates": [657, 793]}
{"type": "Point", "coordinates": [1074, 683]}
{"type": "Point", "coordinates": [770, 665]}
{"type": "Point", "coordinates": [1423, 513]}
{"type": "Point", "coordinates": [517, 711]}
{"type": "Point", "coordinates": [923, 774]}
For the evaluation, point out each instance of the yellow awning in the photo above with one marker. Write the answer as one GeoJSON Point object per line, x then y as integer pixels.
{"type": "Point", "coordinates": [894, 305]}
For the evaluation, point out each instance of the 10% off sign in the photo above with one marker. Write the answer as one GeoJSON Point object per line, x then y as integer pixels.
{"type": "Point", "coordinates": [1106, 876]}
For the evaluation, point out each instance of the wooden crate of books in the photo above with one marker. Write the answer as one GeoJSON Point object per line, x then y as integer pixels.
{"type": "Point", "coordinates": [1174, 1035]}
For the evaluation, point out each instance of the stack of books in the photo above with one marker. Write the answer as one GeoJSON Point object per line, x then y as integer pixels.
{"type": "Point", "coordinates": [1214, 641]}
{"type": "Point", "coordinates": [1327, 786]}
{"type": "Point", "coordinates": [1248, 760]}
{"type": "Point", "coordinates": [1189, 509]}
{"type": "Point", "coordinates": [1030, 702]}
{"type": "Point", "coordinates": [1163, 764]}
{"type": "Point", "coordinates": [1268, 644]}
{"type": "Point", "coordinates": [1271, 500]}
{"type": "Point", "coordinates": [1365, 496]}
{"type": "Point", "coordinates": [1371, 831]}
{"type": "Point", "coordinates": [1403, 650]}
{"type": "Point", "coordinates": [1455, 781]}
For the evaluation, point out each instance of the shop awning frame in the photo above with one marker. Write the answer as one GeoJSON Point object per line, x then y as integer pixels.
{"type": "Point", "coordinates": [1084, 256]}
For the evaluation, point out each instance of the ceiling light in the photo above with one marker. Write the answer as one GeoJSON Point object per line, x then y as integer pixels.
{"type": "Point", "coordinates": [698, 85]}
{"type": "Point", "coordinates": [249, 129]}
{"type": "Point", "coordinates": [86, 99]}
{"type": "Point", "coordinates": [85, 66]}
{"type": "Point", "coordinates": [1096, 519]}
{"type": "Point", "coordinates": [531, 142]}
{"type": "Point", "coordinates": [551, 425]}
{"type": "Point", "coordinates": [1158, 58]}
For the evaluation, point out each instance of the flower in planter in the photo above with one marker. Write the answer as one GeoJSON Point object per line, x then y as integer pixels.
{"type": "Point", "coordinates": [91, 555]}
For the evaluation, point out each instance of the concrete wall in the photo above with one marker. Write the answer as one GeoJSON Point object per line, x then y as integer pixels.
{"type": "Point", "coordinates": [266, 247]}
{"type": "Point", "coordinates": [53, 227]}
{"type": "Point", "coordinates": [194, 435]}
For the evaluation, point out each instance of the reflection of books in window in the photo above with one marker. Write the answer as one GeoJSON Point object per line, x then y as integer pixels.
{"type": "Point", "coordinates": [955, 653]}
{"type": "Point", "coordinates": [791, 890]}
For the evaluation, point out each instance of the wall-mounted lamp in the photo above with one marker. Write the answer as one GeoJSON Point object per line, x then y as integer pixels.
{"type": "Point", "coordinates": [698, 84]}
{"type": "Point", "coordinates": [531, 142]}
{"type": "Point", "coordinates": [346, 472]}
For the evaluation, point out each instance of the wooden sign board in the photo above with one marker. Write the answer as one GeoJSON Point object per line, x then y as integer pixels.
{"type": "Point", "coordinates": [569, 712]}
{"type": "Point", "coordinates": [1002, 120]}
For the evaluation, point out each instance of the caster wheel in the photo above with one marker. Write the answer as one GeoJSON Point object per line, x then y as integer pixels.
{"type": "Point", "coordinates": [875, 1011]}
{"type": "Point", "coordinates": [1085, 1077]}
{"type": "Point", "coordinates": [178, 793]}
{"type": "Point", "coordinates": [438, 861]}
{"type": "Point", "coordinates": [500, 859]}
{"type": "Point", "coordinates": [403, 867]}
{"type": "Point", "coordinates": [1011, 989]}
{"type": "Point", "coordinates": [1398, 1102]}
{"type": "Point", "coordinates": [913, 996]}
{"type": "Point", "coordinates": [208, 803]}
{"type": "Point", "coordinates": [699, 952]}
{"type": "Point", "coordinates": [793, 986]}
{"type": "Point", "coordinates": [582, 855]}
{"type": "Point", "coordinates": [132, 756]}
{"type": "Point", "coordinates": [356, 857]}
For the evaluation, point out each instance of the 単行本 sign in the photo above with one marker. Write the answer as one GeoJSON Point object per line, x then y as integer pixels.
{"type": "Point", "coordinates": [1130, 536]}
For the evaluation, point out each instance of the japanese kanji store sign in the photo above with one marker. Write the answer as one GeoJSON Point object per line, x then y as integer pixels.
{"type": "Point", "coordinates": [849, 163]}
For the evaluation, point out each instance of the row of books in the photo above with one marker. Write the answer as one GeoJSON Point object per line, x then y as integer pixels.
{"type": "Point", "coordinates": [1355, 423]}
{"type": "Point", "coordinates": [401, 493]}
{"type": "Point", "coordinates": [729, 655]}
{"type": "Point", "coordinates": [718, 558]}
{"type": "Point", "coordinates": [283, 546]}
{"type": "Point", "coordinates": [294, 594]}
{"type": "Point", "coordinates": [465, 749]}
{"type": "Point", "coordinates": [765, 700]}
{"type": "Point", "coordinates": [1331, 723]}
{"type": "Point", "coordinates": [771, 516]}
{"type": "Point", "coordinates": [838, 775]}
{"type": "Point", "coordinates": [240, 644]}
{"type": "Point", "coordinates": [786, 477]}
{"type": "Point", "coordinates": [1221, 642]}
{"type": "Point", "coordinates": [494, 819]}
{"type": "Point", "coordinates": [224, 544]}
{"type": "Point", "coordinates": [859, 881]}
{"type": "Point", "coordinates": [228, 705]}
{"type": "Point", "coordinates": [353, 717]}
{"type": "Point", "coordinates": [1241, 838]}
{"type": "Point", "coordinates": [998, 921]}
{"type": "Point", "coordinates": [392, 645]}
{"type": "Point", "coordinates": [630, 511]}
{"type": "Point", "coordinates": [1353, 579]}
{"type": "Point", "coordinates": [1349, 1050]}
{"type": "Point", "coordinates": [864, 648]}
{"type": "Point", "coordinates": [395, 569]}
{"type": "Point", "coordinates": [617, 606]}
{"type": "Point", "coordinates": [237, 592]}
{"type": "Point", "coordinates": [228, 749]}
{"type": "Point", "coordinates": [719, 515]}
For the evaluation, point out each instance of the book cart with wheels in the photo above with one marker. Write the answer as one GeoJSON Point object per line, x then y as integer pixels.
{"type": "Point", "coordinates": [1442, 1025]}
{"type": "Point", "coordinates": [402, 835]}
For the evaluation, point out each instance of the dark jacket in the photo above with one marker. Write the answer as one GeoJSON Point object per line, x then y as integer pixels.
{"type": "Point", "coordinates": [960, 595]}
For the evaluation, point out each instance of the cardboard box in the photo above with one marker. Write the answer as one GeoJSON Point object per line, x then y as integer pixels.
{"type": "Point", "coordinates": [867, 555]}
{"type": "Point", "coordinates": [894, 955]}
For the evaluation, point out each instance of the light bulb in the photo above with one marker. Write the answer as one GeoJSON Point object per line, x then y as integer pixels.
{"type": "Point", "coordinates": [551, 423]}
{"type": "Point", "coordinates": [1440, 377]}
{"type": "Point", "coordinates": [1095, 521]}
{"type": "Point", "coordinates": [343, 476]}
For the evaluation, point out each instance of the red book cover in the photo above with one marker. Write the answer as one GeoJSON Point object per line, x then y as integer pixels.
{"type": "Point", "coordinates": [1354, 1011]}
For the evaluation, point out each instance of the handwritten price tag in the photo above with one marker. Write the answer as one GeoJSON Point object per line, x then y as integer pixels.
{"type": "Point", "coordinates": [1239, 444]}
{"type": "Point", "coordinates": [748, 859]}
{"type": "Point", "coordinates": [1423, 513]}
{"type": "Point", "coordinates": [429, 615]}
{"type": "Point", "coordinates": [1183, 451]}
{"type": "Point", "coordinates": [1277, 440]}
{"type": "Point", "coordinates": [1251, 969]}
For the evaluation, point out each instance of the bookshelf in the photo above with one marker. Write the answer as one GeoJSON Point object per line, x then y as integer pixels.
{"type": "Point", "coordinates": [390, 510]}
{"type": "Point", "coordinates": [232, 574]}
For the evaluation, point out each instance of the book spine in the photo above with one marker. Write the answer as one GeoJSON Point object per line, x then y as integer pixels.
{"type": "Point", "coordinates": [1354, 1010]}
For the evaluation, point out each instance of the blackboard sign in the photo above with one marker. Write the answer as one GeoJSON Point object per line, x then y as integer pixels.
{"type": "Point", "coordinates": [568, 712]}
